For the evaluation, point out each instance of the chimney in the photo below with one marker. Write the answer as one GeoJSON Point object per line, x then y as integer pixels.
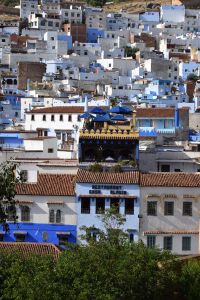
{"type": "Point", "coordinates": [86, 103]}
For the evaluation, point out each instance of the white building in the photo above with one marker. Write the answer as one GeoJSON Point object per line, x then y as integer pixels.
{"type": "Point", "coordinates": [172, 13]}
{"type": "Point", "coordinates": [187, 68]}
{"type": "Point", "coordinates": [97, 192]}
{"type": "Point", "coordinates": [73, 14]}
{"type": "Point", "coordinates": [170, 211]}
{"type": "Point", "coordinates": [28, 7]}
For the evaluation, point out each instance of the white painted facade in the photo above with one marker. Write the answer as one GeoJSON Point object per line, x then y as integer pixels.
{"type": "Point", "coordinates": [28, 7]}
{"type": "Point", "coordinates": [39, 208]}
{"type": "Point", "coordinates": [93, 219]}
{"type": "Point", "coordinates": [178, 225]}
{"type": "Point", "coordinates": [172, 13]}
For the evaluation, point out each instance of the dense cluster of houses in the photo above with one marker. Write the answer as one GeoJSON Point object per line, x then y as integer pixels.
{"type": "Point", "coordinates": [82, 88]}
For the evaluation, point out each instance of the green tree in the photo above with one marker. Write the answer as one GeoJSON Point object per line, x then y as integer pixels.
{"type": "Point", "coordinates": [98, 3]}
{"type": "Point", "coordinates": [113, 268]}
{"type": "Point", "coordinates": [8, 182]}
{"type": "Point", "coordinates": [192, 77]}
{"type": "Point", "coordinates": [131, 52]}
{"type": "Point", "coordinates": [96, 167]}
{"type": "Point", "coordinates": [190, 280]}
{"type": "Point", "coordinates": [30, 278]}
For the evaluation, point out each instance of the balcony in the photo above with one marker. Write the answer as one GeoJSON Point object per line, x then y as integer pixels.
{"type": "Point", "coordinates": [112, 132]}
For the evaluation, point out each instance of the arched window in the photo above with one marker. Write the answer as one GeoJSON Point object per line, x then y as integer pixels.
{"type": "Point", "coordinates": [25, 214]}
{"type": "Point", "coordinates": [58, 216]}
{"type": "Point", "coordinates": [51, 216]}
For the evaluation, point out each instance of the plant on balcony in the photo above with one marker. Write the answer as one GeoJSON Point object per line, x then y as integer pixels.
{"type": "Point", "coordinates": [96, 168]}
{"type": "Point", "coordinates": [132, 163]}
{"type": "Point", "coordinates": [116, 169]}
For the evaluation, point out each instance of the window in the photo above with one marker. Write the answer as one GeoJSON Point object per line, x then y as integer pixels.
{"type": "Point", "coordinates": [3, 40]}
{"type": "Point", "coordinates": [16, 114]}
{"type": "Point", "coordinates": [169, 208]}
{"type": "Point", "coordinates": [32, 117]}
{"type": "Point", "coordinates": [25, 214]}
{"type": "Point", "coordinates": [63, 239]}
{"type": "Point", "coordinates": [58, 216]}
{"type": "Point", "coordinates": [165, 168]}
{"type": "Point", "coordinates": [177, 170]}
{"type": "Point", "coordinates": [61, 117]}
{"type": "Point", "coordinates": [187, 208]}
{"type": "Point", "coordinates": [69, 118]}
{"type": "Point", "coordinates": [151, 241]}
{"type": "Point", "coordinates": [100, 206]}
{"type": "Point", "coordinates": [114, 203]}
{"type": "Point", "coordinates": [51, 216]}
{"type": "Point", "coordinates": [167, 243]}
{"type": "Point", "coordinates": [85, 206]}
{"type": "Point", "coordinates": [78, 118]}
{"type": "Point", "coordinates": [129, 207]}
{"type": "Point", "coordinates": [52, 38]}
{"type": "Point", "coordinates": [20, 237]}
{"type": "Point", "coordinates": [53, 47]}
{"type": "Point", "coordinates": [131, 237]}
{"type": "Point", "coordinates": [50, 150]}
{"type": "Point", "coordinates": [186, 243]}
{"type": "Point", "coordinates": [50, 23]}
{"type": "Point", "coordinates": [152, 208]}
{"type": "Point", "coordinates": [52, 118]}
{"type": "Point", "coordinates": [44, 118]}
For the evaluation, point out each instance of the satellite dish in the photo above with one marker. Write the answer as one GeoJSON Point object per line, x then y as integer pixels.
{"type": "Point", "coordinates": [45, 236]}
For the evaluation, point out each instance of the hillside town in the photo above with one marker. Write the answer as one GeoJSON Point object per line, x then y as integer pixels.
{"type": "Point", "coordinates": [101, 110]}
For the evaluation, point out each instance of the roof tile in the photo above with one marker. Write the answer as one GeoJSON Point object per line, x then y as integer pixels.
{"type": "Point", "coordinates": [49, 185]}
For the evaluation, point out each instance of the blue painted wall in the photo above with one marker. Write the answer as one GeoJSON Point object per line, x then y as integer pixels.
{"type": "Point", "coordinates": [35, 232]}
{"type": "Point", "coordinates": [93, 34]}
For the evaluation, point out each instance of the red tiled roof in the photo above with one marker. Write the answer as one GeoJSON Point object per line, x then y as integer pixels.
{"type": "Point", "coordinates": [28, 249]}
{"type": "Point", "coordinates": [172, 232]}
{"type": "Point", "coordinates": [61, 110]}
{"type": "Point", "coordinates": [155, 113]}
{"type": "Point", "coordinates": [49, 185]}
{"type": "Point", "coordinates": [172, 179]}
{"type": "Point", "coordinates": [84, 176]}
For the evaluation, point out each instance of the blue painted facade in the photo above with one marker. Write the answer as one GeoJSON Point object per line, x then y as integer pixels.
{"type": "Point", "coordinates": [10, 109]}
{"type": "Point", "coordinates": [93, 34]}
{"type": "Point", "coordinates": [11, 140]}
{"type": "Point", "coordinates": [35, 232]}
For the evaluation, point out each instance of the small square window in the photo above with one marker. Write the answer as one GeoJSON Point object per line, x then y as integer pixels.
{"type": "Point", "coordinates": [20, 237]}
{"type": "Point", "coordinates": [186, 243]}
{"type": "Point", "coordinates": [50, 150]}
{"type": "Point", "coordinates": [187, 208]}
{"type": "Point", "coordinates": [152, 208]}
